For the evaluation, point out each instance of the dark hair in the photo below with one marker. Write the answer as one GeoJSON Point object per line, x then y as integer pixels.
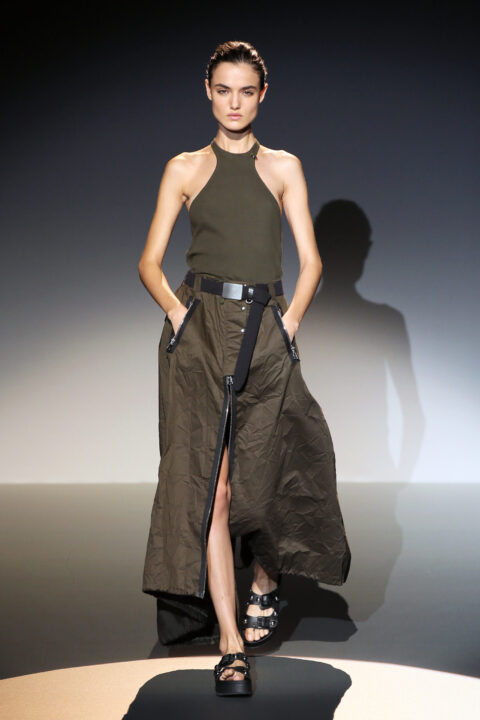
{"type": "Point", "coordinates": [237, 52]}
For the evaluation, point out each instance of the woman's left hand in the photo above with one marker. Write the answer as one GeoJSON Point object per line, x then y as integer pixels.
{"type": "Point", "coordinates": [291, 325]}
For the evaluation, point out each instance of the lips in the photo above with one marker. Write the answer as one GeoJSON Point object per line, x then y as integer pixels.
{"type": "Point", "coordinates": [234, 116]}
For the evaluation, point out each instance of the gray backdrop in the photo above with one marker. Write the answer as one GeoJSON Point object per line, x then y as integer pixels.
{"type": "Point", "coordinates": [381, 106]}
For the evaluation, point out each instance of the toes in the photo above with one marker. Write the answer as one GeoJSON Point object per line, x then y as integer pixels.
{"type": "Point", "coordinates": [261, 633]}
{"type": "Point", "coordinates": [231, 674]}
{"type": "Point", "coordinates": [252, 634]}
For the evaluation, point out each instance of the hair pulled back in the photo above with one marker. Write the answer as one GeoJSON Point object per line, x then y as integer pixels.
{"type": "Point", "coordinates": [236, 51]}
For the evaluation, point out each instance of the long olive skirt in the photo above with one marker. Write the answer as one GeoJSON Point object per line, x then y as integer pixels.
{"type": "Point", "coordinates": [284, 509]}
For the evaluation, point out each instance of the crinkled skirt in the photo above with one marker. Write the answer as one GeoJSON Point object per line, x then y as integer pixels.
{"type": "Point", "coordinates": [284, 508]}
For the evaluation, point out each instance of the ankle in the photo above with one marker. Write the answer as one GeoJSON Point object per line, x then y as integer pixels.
{"type": "Point", "coordinates": [231, 644]}
{"type": "Point", "coordinates": [264, 583]}
{"type": "Point", "coordinates": [262, 577]}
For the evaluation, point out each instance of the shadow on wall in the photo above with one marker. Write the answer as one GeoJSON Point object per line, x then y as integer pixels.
{"type": "Point", "coordinates": [349, 346]}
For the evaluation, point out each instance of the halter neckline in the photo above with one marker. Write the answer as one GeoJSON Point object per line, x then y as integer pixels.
{"type": "Point", "coordinates": [252, 151]}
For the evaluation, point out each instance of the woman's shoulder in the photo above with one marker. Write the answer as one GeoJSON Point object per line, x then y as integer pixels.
{"type": "Point", "coordinates": [186, 161]}
{"type": "Point", "coordinates": [191, 155]}
{"type": "Point", "coordinates": [281, 161]}
{"type": "Point", "coordinates": [279, 156]}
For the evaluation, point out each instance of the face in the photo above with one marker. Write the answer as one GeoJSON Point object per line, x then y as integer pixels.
{"type": "Point", "coordinates": [235, 94]}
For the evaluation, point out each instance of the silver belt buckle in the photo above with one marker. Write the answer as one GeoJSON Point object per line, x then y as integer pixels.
{"type": "Point", "coordinates": [232, 290]}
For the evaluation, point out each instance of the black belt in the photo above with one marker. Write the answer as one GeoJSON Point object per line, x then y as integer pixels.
{"type": "Point", "coordinates": [259, 294]}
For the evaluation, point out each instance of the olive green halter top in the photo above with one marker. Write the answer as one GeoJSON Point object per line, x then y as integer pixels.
{"type": "Point", "coordinates": [236, 222]}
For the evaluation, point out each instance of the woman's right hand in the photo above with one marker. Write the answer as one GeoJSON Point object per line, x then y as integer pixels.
{"type": "Point", "coordinates": [176, 316]}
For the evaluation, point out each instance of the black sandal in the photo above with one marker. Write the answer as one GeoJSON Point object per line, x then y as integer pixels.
{"type": "Point", "coordinates": [233, 687]}
{"type": "Point", "coordinates": [264, 622]}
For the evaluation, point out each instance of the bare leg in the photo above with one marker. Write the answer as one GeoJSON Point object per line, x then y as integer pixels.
{"type": "Point", "coordinates": [221, 574]}
{"type": "Point", "coordinates": [262, 583]}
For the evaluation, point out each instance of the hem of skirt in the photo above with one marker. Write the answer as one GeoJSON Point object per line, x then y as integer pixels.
{"type": "Point", "coordinates": [175, 591]}
{"type": "Point", "coordinates": [318, 577]}
{"type": "Point", "coordinates": [337, 580]}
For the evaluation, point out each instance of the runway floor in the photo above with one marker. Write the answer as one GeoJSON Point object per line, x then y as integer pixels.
{"type": "Point", "coordinates": [283, 688]}
{"type": "Point", "coordinates": [78, 636]}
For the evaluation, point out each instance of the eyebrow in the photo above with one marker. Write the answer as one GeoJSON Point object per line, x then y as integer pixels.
{"type": "Point", "coordinates": [246, 87]}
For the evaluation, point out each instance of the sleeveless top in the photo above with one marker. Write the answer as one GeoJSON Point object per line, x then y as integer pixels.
{"type": "Point", "coordinates": [236, 222]}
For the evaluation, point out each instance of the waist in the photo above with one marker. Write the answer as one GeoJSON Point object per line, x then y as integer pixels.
{"type": "Point", "coordinates": [228, 288]}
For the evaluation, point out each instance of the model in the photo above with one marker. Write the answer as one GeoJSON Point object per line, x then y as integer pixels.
{"type": "Point", "coordinates": [246, 453]}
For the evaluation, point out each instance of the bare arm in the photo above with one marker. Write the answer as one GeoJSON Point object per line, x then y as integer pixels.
{"type": "Point", "coordinates": [297, 212]}
{"type": "Point", "coordinates": [169, 204]}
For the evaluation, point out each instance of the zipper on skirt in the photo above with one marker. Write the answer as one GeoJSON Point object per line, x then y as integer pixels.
{"type": "Point", "coordinates": [226, 411]}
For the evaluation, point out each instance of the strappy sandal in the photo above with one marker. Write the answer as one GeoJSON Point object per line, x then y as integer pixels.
{"type": "Point", "coordinates": [266, 622]}
{"type": "Point", "coordinates": [233, 687]}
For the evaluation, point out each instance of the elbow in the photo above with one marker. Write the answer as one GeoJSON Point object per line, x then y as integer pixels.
{"type": "Point", "coordinates": [145, 265]}
{"type": "Point", "coordinates": [317, 262]}
{"type": "Point", "coordinates": [314, 265]}
{"type": "Point", "coordinates": [142, 268]}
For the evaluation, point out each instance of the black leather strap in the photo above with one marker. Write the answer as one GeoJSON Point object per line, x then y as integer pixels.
{"type": "Point", "coordinates": [260, 298]}
{"type": "Point", "coordinates": [262, 622]}
{"type": "Point", "coordinates": [266, 600]}
{"type": "Point", "coordinates": [229, 658]}
{"type": "Point", "coordinates": [228, 289]}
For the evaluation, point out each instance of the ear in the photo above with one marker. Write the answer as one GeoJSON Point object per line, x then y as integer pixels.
{"type": "Point", "coordinates": [207, 88]}
{"type": "Point", "coordinates": [262, 93]}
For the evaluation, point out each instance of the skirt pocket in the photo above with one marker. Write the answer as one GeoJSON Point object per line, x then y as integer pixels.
{"type": "Point", "coordinates": [290, 344]}
{"type": "Point", "coordinates": [191, 304]}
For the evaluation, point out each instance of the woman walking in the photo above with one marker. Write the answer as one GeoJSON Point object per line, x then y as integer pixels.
{"type": "Point", "coordinates": [246, 452]}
